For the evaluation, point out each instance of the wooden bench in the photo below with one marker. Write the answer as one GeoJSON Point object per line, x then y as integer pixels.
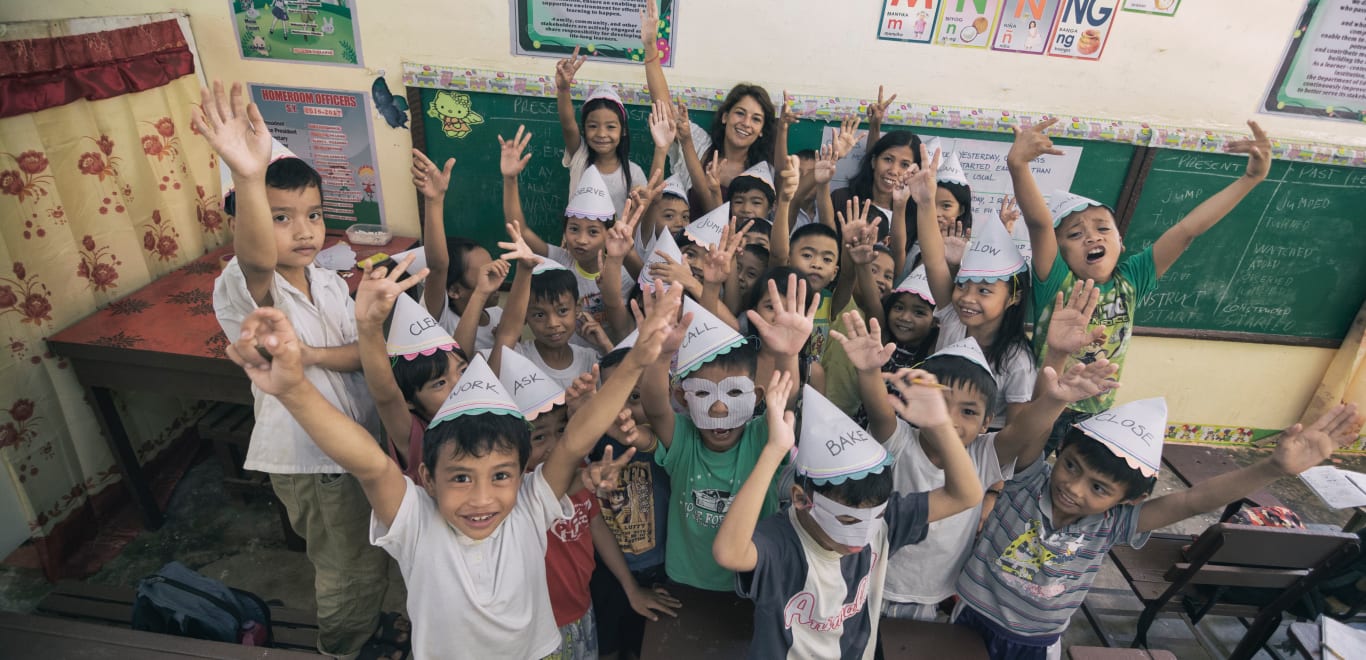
{"type": "Point", "coordinates": [228, 426]}
{"type": "Point", "coordinates": [1105, 653]}
{"type": "Point", "coordinates": [28, 636]}
{"type": "Point", "coordinates": [113, 606]}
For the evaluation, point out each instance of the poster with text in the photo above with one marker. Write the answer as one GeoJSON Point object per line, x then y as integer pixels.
{"type": "Point", "coordinates": [908, 20]}
{"type": "Point", "coordinates": [1083, 28]}
{"type": "Point", "coordinates": [1322, 73]}
{"type": "Point", "coordinates": [967, 23]}
{"type": "Point", "coordinates": [312, 31]}
{"type": "Point", "coordinates": [1159, 7]}
{"type": "Point", "coordinates": [1025, 25]}
{"type": "Point", "coordinates": [332, 131]}
{"type": "Point", "coordinates": [606, 30]}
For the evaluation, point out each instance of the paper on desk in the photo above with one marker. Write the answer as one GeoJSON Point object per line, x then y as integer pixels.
{"type": "Point", "coordinates": [1337, 488]}
{"type": "Point", "coordinates": [337, 257]}
{"type": "Point", "coordinates": [1341, 640]}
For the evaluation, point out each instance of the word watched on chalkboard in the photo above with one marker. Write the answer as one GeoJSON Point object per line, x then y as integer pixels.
{"type": "Point", "coordinates": [1289, 260]}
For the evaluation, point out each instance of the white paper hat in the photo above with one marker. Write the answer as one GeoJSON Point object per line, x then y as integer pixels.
{"type": "Point", "coordinates": [674, 186]}
{"type": "Point", "coordinates": [607, 91]}
{"type": "Point", "coordinates": [991, 255]}
{"type": "Point", "coordinates": [277, 151]}
{"type": "Point", "coordinates": [1020, 234]}
{"type": "Point", "coordinates": [629, 341]}
{"type": "Point", "coordinates": [664, 243]}
{"type": "Point", "coordinates": [591, 199]}
{"type": "Point", "coordinates": [918, 283]}
{"type": "Point", "coordinates": [707, 338]}
{"type": "Point", "coordinates": [1133, 431]}
{"type": "Point", "coordinates": [414, 332]}
{"type": "Point", "coordinates": [418, 264]}
{"type": "Point", "coordinates": [532, 390]}
{"type": "Point", "coordinates": [833, 448]}
{"type": "Point", "coordinates": [951, 170]}
{"type": "Point", "coordinates": [763, 172]}
{"type": "Point", "coordinates": [1062, 204]}
{"type": "Point", "coordinates": [706, 230]}
{"type": "Point", "coordinates": [966, 348]}
{"type": "Point", "coordinates": [478, 392]}
{"type": "Point", "coordinates": [547, 265]}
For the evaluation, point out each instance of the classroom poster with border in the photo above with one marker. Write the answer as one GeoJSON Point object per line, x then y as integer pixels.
{"type": "Point", "coordinates": [332, 131]}
{"type": "Point", "coordinates": [967, 23]}
{"type": "Point", "coordinates": [1083, 29]}
{"type": "Point", "coordinates": [1158, 7]}
{"type": "Point", "coordinates": [1321, 73]}
{"type": "Point", "coordinates": [1014, 32]}
{"type": "Point", "coordinates": [908, 20]}
{"type": "Point", "coordinates": [304, 31]}
{"type": "Point", "coordinates": [605, 30]}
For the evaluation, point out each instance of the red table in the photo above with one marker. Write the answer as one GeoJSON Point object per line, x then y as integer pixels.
{"type": "Point", "coordinates": [164, 338]}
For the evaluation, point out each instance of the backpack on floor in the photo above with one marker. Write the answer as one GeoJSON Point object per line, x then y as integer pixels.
{"type": "Point", "coordinates": [178, 601]}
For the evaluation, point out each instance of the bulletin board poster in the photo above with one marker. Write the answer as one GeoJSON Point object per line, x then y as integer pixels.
{"type": "Point", "coordinates": [967, 23]}
{"type": "Point", "coordinates": [332, 131]}
{"type": "Point", "coordinates": [1025, 25]}
{"type": "Point", "coordinates": [1083, 29]}
{"type": "Point", "coordinates": [908, 20]}
{"type": "Point", "coordinates": [1159, 7]}
{"type": "Point", "coordinates": [312, 31]}
{"type": "Point", "coordinates": [1321, 74]}
{"type": "Point", "coordinates": [606, 30]}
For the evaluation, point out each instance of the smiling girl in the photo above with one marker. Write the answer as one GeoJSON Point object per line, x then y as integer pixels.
{"type": "Point", "coordinates": [603, 140]}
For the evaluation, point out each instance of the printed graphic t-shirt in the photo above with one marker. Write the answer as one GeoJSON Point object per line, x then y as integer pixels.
{"type": "Point", "coordinates": [636, 509]}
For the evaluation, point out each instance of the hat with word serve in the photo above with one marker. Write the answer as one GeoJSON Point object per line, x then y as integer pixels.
{"type": "Point", "coordinates": [1062, 204]}
{"type": "Point", "coordinates": [591, 199]}
{"type": "Point", "coordinates": [414, 332]}
{"type": "Point", "coordinates": [707, 338]}
{"type": "Point", "coordinates": [951, 170]}
{"type": "Point", "coordinates": [532, 390]}
{"type": "Point", "coordinates": [1133, 431]}
{"type": "Point", "coordinates": [477, 393]}
{"type": "Point", "coordinates": [917, 283]}
{"type": "Point", "coordinates": [832, 447]}
{"type": "Point", "coordinates": [991, 255]}
{"type": "Point", "coordinates": [706, 230]}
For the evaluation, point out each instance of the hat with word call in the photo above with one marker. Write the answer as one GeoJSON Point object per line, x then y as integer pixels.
{"type": "Point", "coordinates": [674, 186]}
{"type": "Point", "coordinates": [832, 447]}
{"type": "Point", "coordinates": [761, 171]}
{"type": "Point", "coordinates": [419, 262]}
{"type": "Point", "coordinates": [1133, 431]}
{"type": "Point", "coordinates": [591, 199]}
{"type": "Point", "coordinates": [532, 390]}
{"type": "Point", "coordinates": [277, 151]}
{"type": "Point", "coordinates": [968, 349]}
{"type": "Point", "coordinates": [707, 338]}
{"type": "Point", "coordinates": [606, 91]}
{"type": "Point", "coordinates": [414, 332]}
{"type": "Point", "coordinates": [1062, 204]}
{"type": "Point", "coordinates": [478, 392]}
{"type": "Point", "coordinates": [991, 255]}
{"type": "Point", "coordinates": [706, 230]}
{"type": "Point", "coordinates": [917, 283]}
{"type": "Point", "coordinates": [951, 170]}
{"type": "Point", "coordinates": [663, 243]}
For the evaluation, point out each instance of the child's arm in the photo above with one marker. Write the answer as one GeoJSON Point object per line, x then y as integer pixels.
{"type": "Point", "coordinates": [491, 277]}
{"type": "Point", "coordinates": [876, 113]}
{"type": "Point", "coordinates": [333, 358]}
{"type": "Point", "coordinates": [779, 237]}
{"type": "Point", "coordinates": [564, 104]}
{"type": "Point", "coordinates": [235, 129]}
{"type": "Point", "coordinates": [824, 172]}
{"type": "Point", "coordinates": [644, 600]}
{"type": "Point", "coordinates": [620, 241]}
{"type": "Point", "coordinates": [786, 118]}
{"type": "Point", "coordinates": [1299, 449]}
{"type": "Point", "coordinates": [663, 132]}
{"type": "Point", "coordinates": [519, 297]}
{"type": "Point", "coordinates": [268, 350]}
{"type": "Point", "coordinates": [1031, 143]}
{"type": "Point", "coordinates": [734, 547]}
{"type": "Point", "coordinates": [432, 181]}
{"type": "Point", "coordinates": [654, 70]}
{"type": "Point", "coordinates": [717, 267]}
{"type": "Point", "coordinates": [654, 383]}
{"type": "Point", "coordinates": [864, 348]}
{"type": "Point", "coordinates": [859, 237]}
{"type": "Point", "coordinates": [692, 161]}
{"type": "Point", "coordinates": [921, 403]}
{"type": "Point", "coordinates": [1174, 241]}
{"type": "Point", "coordinates": [923, 186]}
{"type": "Point", "coordinates": [898, 241]}
{"type": "Point", "coordinates": [375, 299]}
{"type": "Point", "coordinates": [513, 160]}
{"type": "Point", "coordinates": [782, 341]}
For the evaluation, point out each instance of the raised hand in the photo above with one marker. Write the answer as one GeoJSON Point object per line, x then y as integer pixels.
{"type": "Point", "coordinates": [720, 259]}
{"type": "Point", "coordinates": [624, 429]}
{"type": "Point", "coordinates": [859, 235]}
{"type": "Point", "coordinates": [917, 397]}
{"type": "Point", "coordinates": [1067, 331]}
{"type": "Point", "coordinates": [430, 180]}
{"type": "Point", "coordinates": [956, 239]}
{"type": "Point", "coordinates": [566, 69]}
{"type": "Point", "coordinates": [592, 331]}
{"type": "Point", "coordinates": [234, 128]}
{"type": "Point", "coordinates": [620, 241]}
{"type": "Point", "coordinates": [682, 125]}
{"type": "Point", "coordinates": [661, 331]}
{"type": "Point", "coordinates": [581, 391]}
{"type": "Point", "coordinates": [670, 270]}
{"type": "Point", "coordinates": [1301, 447]}
{"type": "Point", "coordinates": [824, 169]}
{"type": "Point", "coordinates": [649, 27]}
{"type": "Point", "coordinates": [878, 111]}
{"type": "Point", "coordinates": [790, 176]}
{"type": "Point", "coordinates": [604, 475]}
{"type": "Point", "coordinates": [1010, 212]}
{"type": "Point", "coordinates": [923, 180]}
{"type": "Point", "coordinates": [269, 351]}
{"type": "Point", "coordinates": [714, 168]}
{"type": "Point", "coordinates": [516, 248]}
{"type": "Point", "coordinates": [380, 288]}
{"type": "Point", "coordinates": [902, 192]}
{"type": "Point", "coordinates": [1258, 150]}
{"type": "Point", "coordinates": [514, 154]}
{"type": "Point", "coordinates": [1080, 381]}
{"type": "Point", "coordinates": [791, 324]}
{"type": "Point", "coordinates": [1031, 142]}
{"type": "Point", "coordinates": [863, 344]}
{"type": "Point", "coordinates": [491, 277]}
{"type": "Point", "coordinates": [846, 136]}
{"type": "Point", "coordinates": [662, 127]}
{"type": "Point", "coordinates": [642, 196]}
{"type": "Point", "coordinates": [786, 115]}
{"type": "Point", "coordinates": [781, 435]}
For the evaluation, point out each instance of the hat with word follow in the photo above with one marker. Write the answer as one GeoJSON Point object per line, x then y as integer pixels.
{"type": "Point", "coordinates": [674, 186]}
{"type": "Point", "coordinates": [607, 92]}
{"type": "Point", "coordinates": [478, 392]}
{"type": "Point", "coordinates": [418, 264]}
{"type": "Point", "coordinates": [664, 244]}
{"type": "Point", "coordinates": [414, 332]}
{"type": "Point", "coordinates": [991, 255]}
{"type": "Point", "coordinates": [707, 338]}
{"type": "Point", "coordinates": [1133, 431]}
{"type": "Point", "coordinates": [761, 171]}
{"type": "Point", "coordinates": [832, 447]}
{"type": "Point", "coordinates": [706, 230]}
{"type": "Point", "coordinates": [590, 199]}
{"type": "Point", "coordinates": [532, 390]}
{"type": "Point", "coordinates": [277, 151]}
{"type": "Point", "coordinates": [968, 349]}
{"type": "Point", "coordinates": [917, 283]}
{"type": "Point", "coordinates": [1062, 204]}
{"type": "Point", "coordinates": [951, 170]}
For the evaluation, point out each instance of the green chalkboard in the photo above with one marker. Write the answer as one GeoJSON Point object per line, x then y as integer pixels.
{"type": "Point", "coordinates": [1290, 260]}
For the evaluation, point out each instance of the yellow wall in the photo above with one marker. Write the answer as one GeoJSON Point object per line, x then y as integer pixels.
{"type": "Point", "coordinates": [1207, 68]}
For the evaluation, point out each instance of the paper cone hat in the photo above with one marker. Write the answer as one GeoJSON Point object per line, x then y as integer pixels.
{"type": "Point", "coordinates": [761, 171]}
{"type": "Point", "coordinates": [1133, 431]}
{"type": "Point", "coordinates": [664, 243]}
{"type": "Point", "coordinates": [832, 447]}
{"type": "Point", "coordinates": [951, 170]}
{"type": "Point", "coordinates": [414, 332]}
{"type": "Point", "coordinates": [629, 341]}
{"type": "Point", "coordinates": [1062, 204]}
{"type": "Point", "coordinates": [607, 92]}
{"type": "Point", "coordinates": [547, 265]}
{"type": "Point", "coordinates": [477, 393]}
{"type": "Point", "coordinates": [532, 390]}
{"type": "Point", "coordinates": [968, 348]}
{"type": "Point", "coordinates": [418, 264]}
{"type": "Point", "coordinates": [991, 255]}
{"type": "Point", "coordinates": [277, 151]}
{"type": "Point", "coordinates": [590, 199]}
{"type": "Point", "coordinates": [707, 338]}
{"type": "Point", "coordinates": [917, 283]}
{"type": "Point", "coordinates": [1020, 234]}
{"type": "Point", "coordinates": [674, 186]}
{"type": "Point", "coordinates": [706, 230]}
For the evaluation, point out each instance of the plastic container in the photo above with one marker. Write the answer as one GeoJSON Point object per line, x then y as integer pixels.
{"type": "Point", "coordinates": [368, 235]}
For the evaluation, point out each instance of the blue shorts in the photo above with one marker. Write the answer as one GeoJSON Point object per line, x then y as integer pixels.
{"type": "Point", "coordinates": [1001, 643]}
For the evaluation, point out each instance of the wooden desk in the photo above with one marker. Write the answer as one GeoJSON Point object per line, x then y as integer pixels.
{"type": "Point", "coordinates": [163, 338]}
{"type": "Point", "coordinates": [28, 636]}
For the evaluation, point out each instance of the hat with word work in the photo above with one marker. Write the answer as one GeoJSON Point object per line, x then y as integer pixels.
{"type": "Point", "coordinates": [419, 262]}
{"type": "Point", "coordinates": [414, 332]}
{"type": "Point", "coordinates": [951, 170]}
{"type": "Point", "coordinates": [591, 199]}
{"type": "Point", "coordinates": [707, 338]}
{"type": "Point", "coordinates": [532, 390]}
{"type": "Point", "coordinates": [968, 349]}
{"type": "Point", "coordinates": [664, 244]}
{"type": "Point", "coordinates": [991, 255]}
{"type": "Point", "coordinates": [674, 186]}
{"type": "Point", "coordinates": [606, 92]}
{"type": "Point", "coordinates": [1062, 204]}
{"type": "Point", "coordinates": [1133, 431]}
{"type": "Point", "coordinates": [761, 171]}
{"type": "Point", "coordinates": [833, 448]}
{"type": "Point", "coordinates": [917, 283]}
{"type": "Point", "coordinates": [706, 230]}
{"type": "Point", "coordinates": [478, 392]}
{"type": "Point", "coordinates": [277, 151]}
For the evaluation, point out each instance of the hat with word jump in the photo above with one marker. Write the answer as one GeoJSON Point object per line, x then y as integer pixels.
{"type": "Point", "coordinates": [477, 393]}
{"type": "Point", "coordinates": [707, 338]}
{"type": "Point", "coordinates": [532, 390]}
{"type": "Point", "coordinates": [706, 230]}
{"type": "Point", "coordinates": [951, 170]}
{"type": "Point", "coordinates": [414, 332]}
{"type": "Point", "coordinates": [1062, 204]}
{"type": "Point", "coordinates": [917, 283]}
{"type": "Point", "coordinates": [591, 199]}
{"type": "Point", "coordinates": [1133, 431]}
{"type": "Point", "coordinates": [991, 255]}
{"type": "Point", "coordinates": [833, 448]}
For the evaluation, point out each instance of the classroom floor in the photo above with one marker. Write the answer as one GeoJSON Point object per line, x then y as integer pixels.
{"type": "Point", "coordinates": [242, 545]}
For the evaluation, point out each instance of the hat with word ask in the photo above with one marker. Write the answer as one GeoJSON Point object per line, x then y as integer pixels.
{"type": "Point", "coordinates": [917, 283]}
{"type": "Point", "coordinates": [1133, 431]}
{"type": "Point", "coordinates": [968, 349]}
{"type": "Point", "coordinates": [478, 392]}
{"type": "Point", "coordinates": [833, 448]}
{"type": "Point", "coordinates": [532, 390]}
{"type": "Point", "coordinates": [674, 186]}
{"type": "Point", "coordinates": [761, 171]}
{"type": "Point", "coordinates": [607, 92]}
{"type": "Point", "coordinates": [277, 151]}
{"type": "Point", "coordinates": [991, 255]}
{"type": "Point", "coordinates": [951, 170]}
{"type": "Point", "coordinates": [414, 332]}
{"type": "Point", "coordinates": [664, 244]}
{"type": "Point", "coordinates": [706, 230]}
{"type": "Point", "coordinates": [707, 338]}
{"type": "Point", "coordinates": [1062, 204]}
{"type": "Point", "coordinates": [591, 199]}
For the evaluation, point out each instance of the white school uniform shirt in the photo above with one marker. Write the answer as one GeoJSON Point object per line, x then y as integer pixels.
{"type": "Point", "coordinates": [616, 182]}
{"type": "Point", "coordinates": [476, 599]}
{"type": "Point", "coordinates": [278, 444]}
{"type": "Point", "coordinates": [1014, 381]}
{"type": "Point", "coordinates": [584, 359]}
{"type": "Point", "coordinates": [483, 336]}
{"type": "Point", "coordinates": [590, 294]}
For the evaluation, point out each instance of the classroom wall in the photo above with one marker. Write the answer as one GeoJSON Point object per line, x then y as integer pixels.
{"type": "Point", "coordinates": [1207, 67]}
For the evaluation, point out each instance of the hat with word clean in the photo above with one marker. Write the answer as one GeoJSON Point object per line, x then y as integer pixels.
{"type": "Point", "coordinates": [707, 338]}
{"type": "Point", "coordinates": [832, 447]}
{"type": "Point", "coordinates": [674, 186]}
{"type": "Point", "coordinates": [414, 332]}
{"type": "Point", "coordinates": [608, 92]}
{"type": "Point", "coordinates": [991, 254]}
{"type": "Point", "coordinates": [591, 199]}
{"type": "Point", "coordinates": [1133, 431]}
{"type": "Point", "coordinates": [761, 171]}
{"type": "Point", "coordinates": [664, 244]}
{"type": "Point", "coordinates": [917, 283]}
{"type": "Point", "coordinates": [277, 151]}
{"type": "Point", "coordinates": [968, 349]}
{"type": "Point", "coordinates": [477, 393]}
{"type": "Point", "coordinates": [951, 170]}
{"type": "Point", "coordinates": [418, 264]}
{"type": "Point", "coordinates": [706, 230]}
{"type": "Point", "coordinates": [1062, 204]}
{"type": "Point", "coordinates": [532, 390]}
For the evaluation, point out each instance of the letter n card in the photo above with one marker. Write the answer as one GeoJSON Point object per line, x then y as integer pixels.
{"type": "Point", "coordinates": [967, 23]}
{"type": "Point", "coordinates": [1083, 28]}
{"type": "Point", "coordinates": [1025, 26]}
